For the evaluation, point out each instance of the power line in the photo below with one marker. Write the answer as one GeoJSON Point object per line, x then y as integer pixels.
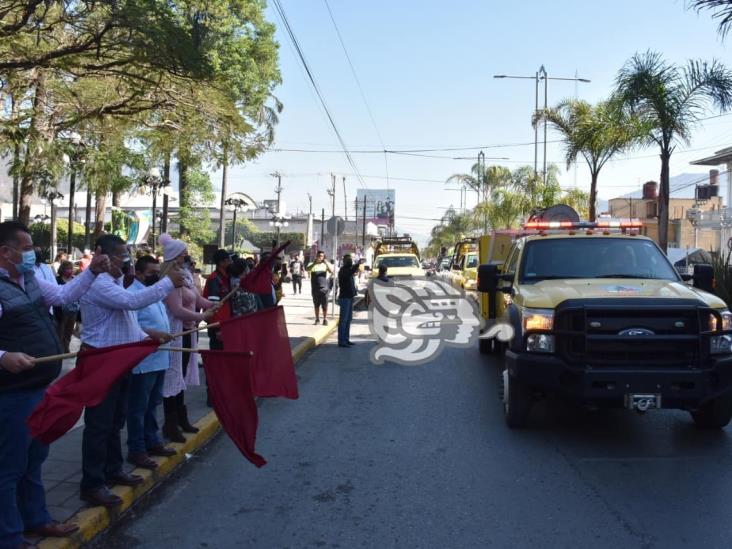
{"type": "Point", "coordinates": [311, 77]}
{"type": "Point", "coordinates": [360, 89]}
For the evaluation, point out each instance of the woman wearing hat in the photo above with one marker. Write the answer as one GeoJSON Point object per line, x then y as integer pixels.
{"type": "Point", "coordinates": [183, 305]}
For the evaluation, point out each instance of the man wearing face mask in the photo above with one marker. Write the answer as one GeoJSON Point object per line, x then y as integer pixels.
{"type": "Point", "coordinates": [146, 382]}
{"type": "Point", "coordinates": [26, 331]}
{"type": "Point", "coordinates": [109, 317]}
{"type": "Point", "coordinates": [347, 292]}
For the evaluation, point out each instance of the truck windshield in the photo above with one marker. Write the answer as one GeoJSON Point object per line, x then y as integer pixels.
{"type": "Point", "coordinates": [472, 262]}
{"type": "Point", "coordinates": [397, 261]}
{"type": "Point", "coordinates": [559, 258]}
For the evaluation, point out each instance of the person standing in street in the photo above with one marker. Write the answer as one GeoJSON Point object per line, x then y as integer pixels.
{"type": "Point", "coordinates": [346, 295]}
{"type": "Point", "coordinates": [146, 382]}
{"type": "Point", "coordinates": [382, 274]}
{"type": "Point", "coordinates": [296, 271]}
{"type": "Point", "coordinates": [26, 331]}
{"type": "Point", "coordinates": [319, 285]}
{"type": "Point", "coordinates": [110, 319]}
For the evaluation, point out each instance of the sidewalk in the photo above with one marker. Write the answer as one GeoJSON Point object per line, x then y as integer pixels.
{"type": "Point", "coordinates": [62, 469]}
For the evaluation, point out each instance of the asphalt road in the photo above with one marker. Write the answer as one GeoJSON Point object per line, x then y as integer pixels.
{"type": "Point", "coordinates": [396, 456]}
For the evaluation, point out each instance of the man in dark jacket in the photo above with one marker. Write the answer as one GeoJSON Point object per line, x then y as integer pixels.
{"type": "Point", "coordinates": [346, 294]}
{"type": "Point", "coordinates": [27, 332]}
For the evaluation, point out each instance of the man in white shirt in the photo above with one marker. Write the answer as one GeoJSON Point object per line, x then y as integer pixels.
{"type": "Point", "coordinates": [25, 334]}
{"type": "Point", "coordinates": [110, 319]}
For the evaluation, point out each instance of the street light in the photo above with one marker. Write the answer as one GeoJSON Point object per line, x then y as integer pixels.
{"type": "Point", "coordinates": [154, 180]}
{"type": "Point", "coordinates": [238, 204]}
{"type": "Point", "coordinates": [52, 196]}
{"type": "Point", "coordinates": [278, 221]}
{"type": "Point", "coordinates": [541, 74]}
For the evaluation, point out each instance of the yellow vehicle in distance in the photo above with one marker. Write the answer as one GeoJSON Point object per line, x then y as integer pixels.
{"type": "Point", "coordinates": [400, 254]}
{"type": "Point", "coordinates": [464, 265]}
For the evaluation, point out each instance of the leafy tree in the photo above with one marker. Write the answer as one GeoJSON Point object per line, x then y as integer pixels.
{"type": "Point", "coordinates": [669, 100]}
{"type": "Point", "coordinates": [595, 132]}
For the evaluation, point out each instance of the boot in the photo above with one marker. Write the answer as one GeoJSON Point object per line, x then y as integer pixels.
{"type": "Point", "coordinates": [170, 427]}
{"type": "Point", "coordinates": [183, 419]}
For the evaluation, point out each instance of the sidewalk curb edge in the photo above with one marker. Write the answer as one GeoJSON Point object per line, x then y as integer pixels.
{"type": "Point", "coordinates": [93, 521]}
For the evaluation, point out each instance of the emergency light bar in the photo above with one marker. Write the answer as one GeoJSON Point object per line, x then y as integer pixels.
{"type": "Point", "coordinates": [603, 224]}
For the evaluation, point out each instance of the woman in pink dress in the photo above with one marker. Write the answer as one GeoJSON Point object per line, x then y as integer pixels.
{"type": "Point", "coordinates": [183, 305]}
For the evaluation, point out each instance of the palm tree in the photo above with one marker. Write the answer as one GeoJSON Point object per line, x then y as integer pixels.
{"type": "Point", "coordinates": [669, 100]}
{"type": "Point", "coordinates": [722, 11]}
{"type": "Point", "coordinates": [596, 132]}
{"type": "Point", "coordinates": [482, 179]}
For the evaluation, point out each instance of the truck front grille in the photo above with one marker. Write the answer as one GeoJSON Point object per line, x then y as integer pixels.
{"type": "Point", "coordinates": [632, 333]}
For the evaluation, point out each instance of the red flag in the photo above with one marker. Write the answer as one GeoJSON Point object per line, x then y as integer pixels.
{"type": "Point", "coordinates": [230, 386]}
{"type": "Point", "coordinates": [264, 333]}
{"type": "Point", "coordinates": [259, 279]}
{"type": "Point", "coordinates": [86, 385]}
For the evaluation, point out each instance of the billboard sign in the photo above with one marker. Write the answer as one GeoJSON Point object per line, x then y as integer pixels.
{"type": "Point", "coordinates": [379, 205]}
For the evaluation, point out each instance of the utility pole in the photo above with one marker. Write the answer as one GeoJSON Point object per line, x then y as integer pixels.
{"type": "Point", "coordinates": [279, 220]}
{"type": "Point", "coordinates": [345, 200]}
{"type": "Point", "coordinates": [356, 230]}
{"type": "Point", "coordinates": [332, 193]}
{"type": "Point", "coordinates": [546, 105]}
{"type": "Point", "coordinates": [322, 230]}
{"type": "Point", "coordinates": [363, 232]}
{"type": "Point", "coordinates": [166, 178]}
{"type": "Point", "coordinates": [536, 127]}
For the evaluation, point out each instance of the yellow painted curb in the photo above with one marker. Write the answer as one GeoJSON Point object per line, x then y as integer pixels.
{"type": "Point", "coordinates": [94, 520]}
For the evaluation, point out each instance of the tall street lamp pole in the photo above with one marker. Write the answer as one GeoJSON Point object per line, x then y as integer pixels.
{"type": "Point", "coordinates": [483, 184]}
{"type": "Point", "coordinates": [73, 164]}
{"type": "Point", "coordinates": [154, 180]}
{"type": "Point", "coordinates": [541, 75]}
{"type": "Point", "coordinates": [52, 197]}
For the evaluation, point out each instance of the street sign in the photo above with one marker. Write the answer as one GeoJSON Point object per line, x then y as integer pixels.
{"type": "Point", "coordinates": [335, 226]}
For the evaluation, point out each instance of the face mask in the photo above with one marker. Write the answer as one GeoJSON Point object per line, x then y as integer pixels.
{"type": "Point", "coordinates": [152, 279]}
{"type": "Point", "coordinates": [27, 263]}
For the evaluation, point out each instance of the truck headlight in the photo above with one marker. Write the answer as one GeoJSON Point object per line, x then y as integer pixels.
{"type": "Point", "coordinates": [726, 321]}
{"type": "Point", "coordinates": [540, 343]}
{"type": "Point", "coordinates": [537, 320]}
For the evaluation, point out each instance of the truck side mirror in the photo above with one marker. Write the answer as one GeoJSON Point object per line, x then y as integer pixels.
{"type": "Point", "coordinates": [487, 278]}
{"type": "Point", "coordinates": [704, 277]}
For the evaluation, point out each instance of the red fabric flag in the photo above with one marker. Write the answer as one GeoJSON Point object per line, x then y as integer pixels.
{"type": "Point", "coordinates": [259, 279]}
{"type": "Point", "coordinates": [229, 383]}
{"type": "Point", "coordinates": [86, 385]}
{"type": "Point", "coordinates": [265, 334]}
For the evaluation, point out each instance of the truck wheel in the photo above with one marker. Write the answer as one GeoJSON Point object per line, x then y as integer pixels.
{"type": "Point", "coordinates": [516, 401]}
{"type": "Point", "coordinates": [486, 346]}
{"type": "Point", "coordinates": [715, 414]}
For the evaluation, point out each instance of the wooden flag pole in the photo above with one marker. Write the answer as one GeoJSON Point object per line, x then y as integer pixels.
{"type": "Point", "coordinates": [64, 356]}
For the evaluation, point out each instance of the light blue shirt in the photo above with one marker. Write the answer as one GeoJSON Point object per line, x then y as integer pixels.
{"type": "Point", "coordinates": [153, 317]}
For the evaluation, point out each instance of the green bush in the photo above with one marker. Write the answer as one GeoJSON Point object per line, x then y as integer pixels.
{"type": "Point", "coordinates": [722, 277]}
{"type": "Point", "coordinates": [41, 234]}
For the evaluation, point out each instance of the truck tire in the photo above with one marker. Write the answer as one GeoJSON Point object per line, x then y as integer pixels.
{"type": "Point", "coordinates": [715, 414]}
{"type": "Point", "coordinates": [516, 401]}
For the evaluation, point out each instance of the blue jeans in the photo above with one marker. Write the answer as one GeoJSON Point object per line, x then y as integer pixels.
{"type": "Point", "coordinates": [146, 394]}
{"type": "Point", "coordinates": [22, 498]}
{"type": "Point", "coordinates": [344, 319]}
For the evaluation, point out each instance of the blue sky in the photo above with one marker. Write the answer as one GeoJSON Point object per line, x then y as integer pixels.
{"type": "Point", "coordinates": [426, 68]}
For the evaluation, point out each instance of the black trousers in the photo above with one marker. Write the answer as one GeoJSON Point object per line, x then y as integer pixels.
{"type": "Point", "coordinates": [296, 283]}
{"type": "Point", "coordinates": [101, 446]}
{"type": "Point", "coordinates": [214, 342]}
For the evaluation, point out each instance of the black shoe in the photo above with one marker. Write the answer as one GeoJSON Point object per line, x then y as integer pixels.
{"type": "Point", "coordinates": [344, 345]}
{"type": "Point", "coordinates": [125, 479]}
{"type": "Point", "coordinates": [351, 343]}
{"type": "Point", "coordinates": [101, 496]}
{"type": "Point", "coordinates": [317, 321]}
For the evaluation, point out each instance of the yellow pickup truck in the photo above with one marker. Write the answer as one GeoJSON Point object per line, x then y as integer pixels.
{"type": "Point", "coordinates": [600, 316]}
